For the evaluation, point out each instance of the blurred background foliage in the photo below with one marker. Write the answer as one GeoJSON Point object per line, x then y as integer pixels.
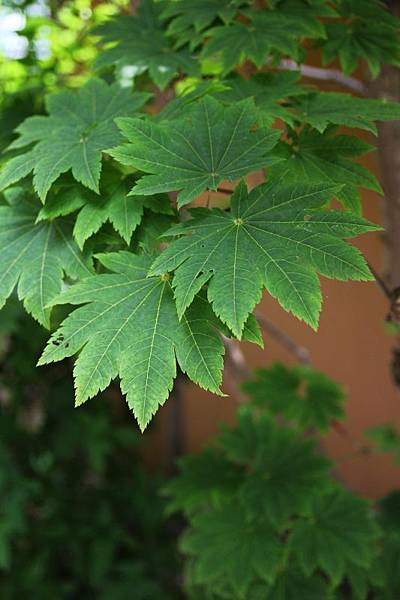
{"type": "Point", "coordinates": [79, 515]}
{"type": "Point", "coordinates": [45, 45]}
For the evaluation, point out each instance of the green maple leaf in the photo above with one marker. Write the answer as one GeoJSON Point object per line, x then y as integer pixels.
{"type": "Point", "coordinates": [367, 31]}
{"type": "Point", "coordinates": [387, 439]}
{"type": "Point", "coordinates": [122, 211]}
{"type": "Point", "coordinates": [151, 231]}
{"type": "Point", "coordinates": [64, 198]}
{"type": "Point", "coordinates": [270, 92]}
{"type": "Point", "coordinates": [268, 32]}
{"type": "Point", "coordinates": [361, 580]}
{"type": "Point", "coordinates": [233, 44]}
{"type": "Point", "coordinates": [275, 237]}
{"type": "Point", "coordinates": [36, 256]}
{"type": "Point", "coordinates": [129, 327]}
{"type": "Point", "coordinates": [194, 90]}
{"type": "Point", "coordinates": [303, 396]}
{"type": "Point", "coordinates": [198, 14]}
{"type": "Point", "coordinates": [389, 508]}
{"type": "Point", "coordinates": [321, 109]}
{"type": "Point", "coordinates": [113, 204]}
{"type": "Point", "coordinates": [338, 533]}
{"type": "Point", "coordinates": [205, 479]}
{"type": "Point", "coordinates": [140, 44]}
{"type": "Point", "coordinates": [327, 158]}
{"type": "Point", "coordinates": [289, 583]}
{"type": "Point", "coordinates": [208, 144]}
{"type": "Point", "coordinates": [284, 472]}
{"type": "Point", "coordinates": [232, 551]}
{"type": "Point", "coordinates": [320, 401]}
{"type": "Point", "coordinates": [286, 481]}
{"type": "Point", "coordinates": [387, 576]}
{"type": "Point", "coordinates": [80, 125]}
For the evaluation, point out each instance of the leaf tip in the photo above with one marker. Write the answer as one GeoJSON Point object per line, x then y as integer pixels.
{"type": "Point", "coordinates": [42, 360]}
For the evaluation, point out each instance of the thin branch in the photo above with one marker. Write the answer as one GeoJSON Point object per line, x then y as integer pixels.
{"type": "Point", "coordinates": [236, 357]}
{"type": "Point", "coordinates": [357, 448]}
{"type": "Point", "coordinates": [300, 352]}
{"type": "Point", "coordinates": [381, 284]}
{"type": "Point", "coordinates": [223, 190]}
{"type": "Point", "coordinates": [355, 85]}
{"type": "Point", "coordinates": [236, 366]}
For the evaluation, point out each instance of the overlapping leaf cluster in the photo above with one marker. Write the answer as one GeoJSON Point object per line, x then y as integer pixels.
{"type": "Point", "coordinates": [263, 498]}
{"type": "Point", "coordinates": [305, 398]}
{"type": "Point", "coordinates": [363, 31]}
{"type": "Point", "coordinates": [160, 283]}
{"type": "Point", "coordinates": [84, 474]}
{"type": "Point", "coordinates": [79, 127]}
{"type": "Point", "coordinates": [141, 44]}
{"type": "Point", "coordinates": [346, 29]}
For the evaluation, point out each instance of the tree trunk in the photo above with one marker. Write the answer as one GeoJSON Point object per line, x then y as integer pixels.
{"type": "Point", "coordinates": [387, 86]}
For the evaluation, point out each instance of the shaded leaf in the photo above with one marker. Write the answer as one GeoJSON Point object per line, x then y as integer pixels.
{"type": "Point", "coordinates": [36, 256]}
{"type": "Point", "coordinates": [270, 92]}
{"type": "Point", "coordinates": [292, 585]}
{"type": "Point", "coordinates": [205, 479]}
{"type": "Point", "coordinates": [369, 32]}
{"type": "Point", "coordinates": [387, 438]}
{"type": "Point", "coordinates": [140, 44]}
{"type": "Point", "coordinates": [328, 158]}
{"type": "Point", "coordinates": [250, 549]}
{"type": "Point", "coordinates": [198, 14]}
{"type": "Point", "coordinates": [321, 109]}
{"type": "Point", "coordinates": [284, 472]}
{"type": "Point", "coordinates": [208, 144]}
{"type": "Point", "coordinates": [112, 205]}
{"type": "Point", "coordinates": [338, 533]}
{"type": "Point", "coordinates": [124, 212]}
{"type": "Point", "coordinates": [303, 396]}
{"type": "Point", "coordinates": [268, 32]}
